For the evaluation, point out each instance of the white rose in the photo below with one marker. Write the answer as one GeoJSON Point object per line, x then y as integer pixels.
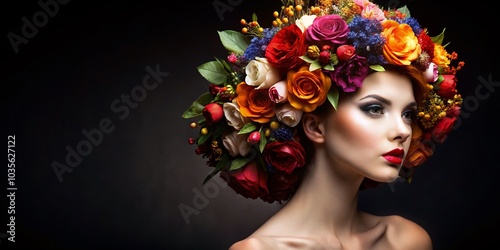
{"type": "Point", "coordinates": [289, 115]}
{"type": "Point", "coordinates": [236, 144]}
{"type": "Point", "coordinates": [261, 74]}
{"type": "Point", "coordinates": [233, 115]}
{"type": "Point", "coordinates": [305, 21]}
{"type": "Point", "coordinates": [278, 92]}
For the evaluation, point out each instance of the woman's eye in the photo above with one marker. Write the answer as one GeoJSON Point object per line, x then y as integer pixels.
{"type": "Point", "coordinates": [374, 109]}
{"type": "Point", "coordinates": [409, 115]}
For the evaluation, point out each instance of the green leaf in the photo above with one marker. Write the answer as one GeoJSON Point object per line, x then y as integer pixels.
{"type": "Point", "coordinates": [222, 163]}
{"type": "Point", "coordinates": [197, 107]}
{"type": "Point", "coordinates": [213, 72]}
{"type": "Point", "coordinates": [248, 128]}
{"type": "Point", "coordinates": [193, 111]}
{"type": "Point", "coordinates": [405, 11]}
{"type": "Point", "coordinates": [225, 64]}
{"type": "Point", "coordinates": [377, 67]}
{"type": "Point", "coordinates": [239, 163]}
{"type": "Point", "coordinates": [263, 141]}
{"type": "Point", "coordinates": [334, 59]}
{"type": "Point", "coordinates": [333, 97]}
{"type": "Point", "coordinates": [308, 59]}
{"type": "Point", "coordinates": [439, 38]}
{"type": "Point", "coordinates": [205, 98]}
{"type": "Point", "coordinates": [234, 41]}
{"type": "Point", "coordinates": [329, 67]}
{"type": "Point", "coordinates": [254, 17]}
{"type": "Point", "coordinates": [314, 66]}
{"type": "Point", "coordinates": [203, 138]}
{"type": "Point", "coordinates": [440, 79]}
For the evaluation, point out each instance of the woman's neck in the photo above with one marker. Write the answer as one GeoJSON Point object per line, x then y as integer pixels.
{"type": "Point", "coordinates": [324, 204]}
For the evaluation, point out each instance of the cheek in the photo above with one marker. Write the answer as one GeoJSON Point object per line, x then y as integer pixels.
{"type": "Point", "coordinates": [354, 129]}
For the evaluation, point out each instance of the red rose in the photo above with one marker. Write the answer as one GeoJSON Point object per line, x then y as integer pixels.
{"type": "Point", "coordinates": [345, 52]}
{"type": "Point", "coordinates": [285, 156]}
{"type": "Point", "coordinates": [442, 128]}
{"type": "Point", "coordinates": [281, 186]}
{"type": "Point", "coordinates": [249, 181]}
{"type": "Point", "coordinates": [285, 48]}
{"type": "Point", "coordinates": [447, 86]}
{"type": "Point", "coordinates": [213, 112]}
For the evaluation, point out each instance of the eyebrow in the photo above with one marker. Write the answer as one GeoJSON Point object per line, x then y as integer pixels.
{"type": "Point", "coordinates": [388, 102]}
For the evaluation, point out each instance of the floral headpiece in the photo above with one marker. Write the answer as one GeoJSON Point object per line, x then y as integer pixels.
{"type": "Point", "coordinates": [258, 94]}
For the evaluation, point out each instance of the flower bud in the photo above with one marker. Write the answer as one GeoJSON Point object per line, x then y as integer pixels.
{"type": "Point", "coordinates": [431, 74]}
{"type": "Point", "coordinates": [213, 113]}
{"type": "Point", "coordinates": [324, 57]}
{"type": "Point", "coordinates": [313, 51]}
{"type": "Point", "coordinates": [345, 52]}
{"type": "Point", "coordinates": [254, 137]}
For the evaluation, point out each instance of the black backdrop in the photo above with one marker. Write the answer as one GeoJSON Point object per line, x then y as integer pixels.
{"type": "Point", "coordinates": [68, 79]}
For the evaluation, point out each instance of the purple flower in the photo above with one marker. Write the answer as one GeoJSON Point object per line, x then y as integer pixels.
{"type": "Point", "coordinates": [328, 30]}
{"type": "Point", "coordinates": [349, 75]}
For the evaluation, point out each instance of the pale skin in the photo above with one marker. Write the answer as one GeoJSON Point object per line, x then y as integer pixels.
{"type": "Point", "coordinates": [350, 145]}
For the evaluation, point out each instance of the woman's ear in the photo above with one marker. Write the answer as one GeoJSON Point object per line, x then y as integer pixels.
{"type": "Point", "coordinates": [314, 127]}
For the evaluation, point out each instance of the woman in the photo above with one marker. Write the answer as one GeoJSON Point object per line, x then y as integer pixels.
{"type": "Point", "coordinates": [332, 99]}
{"type": "Point", "coordinates": [368, 136]}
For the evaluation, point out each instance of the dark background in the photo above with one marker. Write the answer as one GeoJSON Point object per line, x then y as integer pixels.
{"type": "Point", "coordinates": [125, 194]}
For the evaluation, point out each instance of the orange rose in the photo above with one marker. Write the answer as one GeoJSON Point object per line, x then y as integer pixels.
{"type": "Point", "coordinates": [401, 46]}
{"type": "Point", "coordinates": [418, 153]}
{"type": "Point", "coordinates": [254, 103]}
{"type": "Point", "coordinates": [307, 90]}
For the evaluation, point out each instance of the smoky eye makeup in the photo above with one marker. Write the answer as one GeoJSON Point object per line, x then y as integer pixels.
{"type": "Point", "coordinates": [372, 108]}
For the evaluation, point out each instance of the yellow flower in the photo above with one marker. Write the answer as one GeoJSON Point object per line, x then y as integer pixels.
{"type": "Point", "coordinates": [440, 56]}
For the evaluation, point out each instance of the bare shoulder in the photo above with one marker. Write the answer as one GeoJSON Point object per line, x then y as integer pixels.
{"type": "Point", "coordinates": [248, 243]}
{"type": "Point", "coordinates": [277, 242]}
{"type": "Point", "coordinates": [406, 234]}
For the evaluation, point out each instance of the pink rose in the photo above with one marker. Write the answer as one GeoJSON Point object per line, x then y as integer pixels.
{"type": "Point", "coordinates": [327, 30]}
{"type": "Point", "coordinates": [431, 74]}
{"type": "Point", "coordinates": [249, 181]}
{"type": "Point", "coordinates": [285, 156]}
{"type": "Point", "coordinates": [373, 12]}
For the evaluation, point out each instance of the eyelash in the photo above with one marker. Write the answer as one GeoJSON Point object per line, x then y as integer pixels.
{"type": "Point", "coordinates": [377, 110]}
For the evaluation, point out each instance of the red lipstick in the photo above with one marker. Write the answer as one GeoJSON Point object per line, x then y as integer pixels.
{"type": "Point", "coordinates": [394, 156]}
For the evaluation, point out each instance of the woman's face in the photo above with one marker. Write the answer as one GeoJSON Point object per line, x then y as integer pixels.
{"type": "Point", "coordinates": [371, 130]}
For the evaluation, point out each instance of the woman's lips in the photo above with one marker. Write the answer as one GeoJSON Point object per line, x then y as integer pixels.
{"type": "Point", "coordinates": [394, 156]}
